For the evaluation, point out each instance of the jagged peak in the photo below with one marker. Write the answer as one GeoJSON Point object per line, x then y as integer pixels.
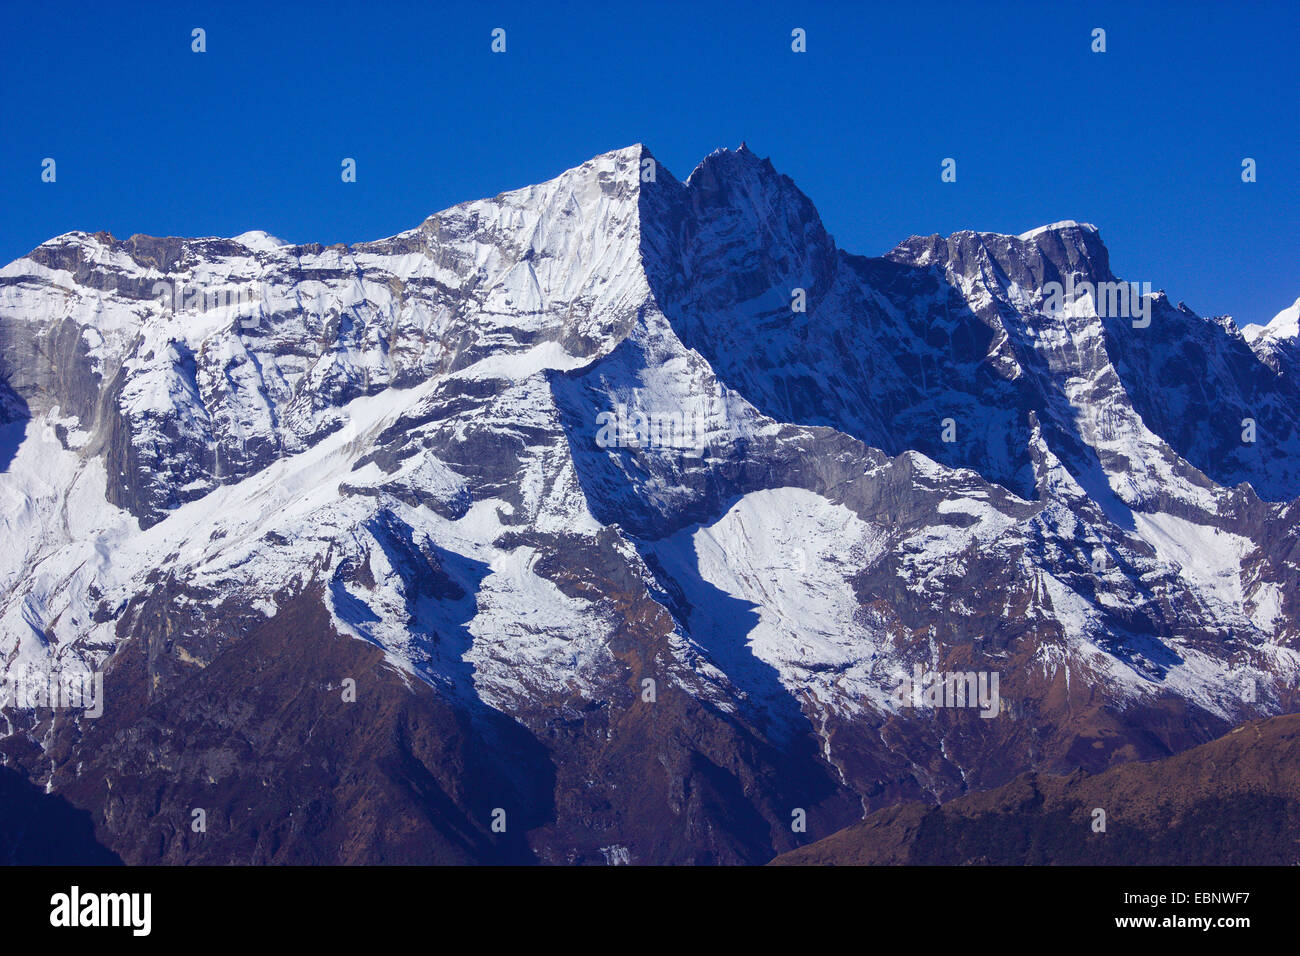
{"type": "Point", "coordinates": [1287, 322]}
{"type": "Point", "coordinates": [743, 180]}
{"type": "Point", "coordinates": [632, 153]}
{"type": "Point", "coordinates": [724, 162]}
{"type": "Point", "coordinates": [1283, 326]}
{"type": "Point", "coordinates": [1065, 226]}
{"type": "Point", "coordinates": [1076, 246]}
{"type": "Point", "coordinates": [256, 240]}
{"type": "Point", "coordinates": [625, 160]}
{"type": "Point", "coordinates": [77, 237]}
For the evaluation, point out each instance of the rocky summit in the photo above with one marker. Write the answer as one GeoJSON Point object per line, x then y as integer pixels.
{"type": "Point", "coordinates": [619, 519]}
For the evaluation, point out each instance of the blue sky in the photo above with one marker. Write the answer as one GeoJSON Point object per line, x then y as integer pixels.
{"type": "Point", "coordinates": [1145, 140]}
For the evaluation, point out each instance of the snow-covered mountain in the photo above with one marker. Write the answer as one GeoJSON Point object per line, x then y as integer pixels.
{"type": "Point", "coordinates": [629, 504]}
{"type": "Point", "coordinates": [1278, 342]}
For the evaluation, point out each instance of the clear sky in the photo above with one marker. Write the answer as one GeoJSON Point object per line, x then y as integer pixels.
{"type": "Point", "coordinates": [1145, 140]}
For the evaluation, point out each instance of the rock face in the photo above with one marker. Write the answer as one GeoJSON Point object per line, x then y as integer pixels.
{"type": "Point", "coordinates": [1232, 802]}
{"type": "Point", "coordinates": [603, 521]}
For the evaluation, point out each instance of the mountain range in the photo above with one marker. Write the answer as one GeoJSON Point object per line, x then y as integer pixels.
{"type": "Point", "coordinates": [617, 519]}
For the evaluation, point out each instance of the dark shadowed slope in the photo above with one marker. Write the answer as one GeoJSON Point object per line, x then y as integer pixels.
{"type": "Point", "coordinates": [1234, 801]}
{"type": "Point", "coordinates": [42, 829]}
